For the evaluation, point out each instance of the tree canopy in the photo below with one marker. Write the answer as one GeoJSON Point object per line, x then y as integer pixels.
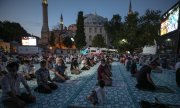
{"type": "Point", "coordinates": [68, 42]}
{"type": "Point", "coordinates": [98, 41]}
{"type": "Point", "coordinates": [12, 31]}
{"type": "Point", "coordinates": [114, 28]}
{"type": "Point", "coordinates": [80, 39]}
{"type": "Point", "coordinates": [135, 32]}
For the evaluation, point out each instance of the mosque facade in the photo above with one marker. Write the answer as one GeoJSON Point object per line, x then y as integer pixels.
{"type": "Point", "coordinates": [94, 25]}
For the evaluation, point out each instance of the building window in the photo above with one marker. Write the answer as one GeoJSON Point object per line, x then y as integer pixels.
{"type": "Point", "coordinates": [90, 29]}
{"type": "Point", "coordinates": [95, 30]}
{"type": "Point", "coordinates": [100, 30]}
{"type": "Point", "coordinates": [90, 37]}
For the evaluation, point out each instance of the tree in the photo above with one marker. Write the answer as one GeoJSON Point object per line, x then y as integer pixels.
{"type": "Point", "coordinates": [12, 31]}
{"type": "Point", "coordinates": [114, 28]}
{"type": "Point", "coordinates": [130, 30]}
{"type": "Point", "coordinates": [80, 39]}
{"type": "Point", "coordinates": [140, 31]}
{"type": "Point", "coordinates": [149, 26]}
{"type": "Point", "coordinates": [67, 42]}
{"type": "Point", "coordinates": [98, 41]}
{"type": "Point", "coordinates": [52, 39]}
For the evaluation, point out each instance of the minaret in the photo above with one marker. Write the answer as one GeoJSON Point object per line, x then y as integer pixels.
{"type": "Point", "coordinates": [45, 28]}
{"type": "Point", "coordinates": [61, 22]}
{"type": "Point", "coordinates": [130, 9]}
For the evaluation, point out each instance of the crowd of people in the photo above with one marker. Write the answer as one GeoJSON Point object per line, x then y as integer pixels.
{"type": "Point", "coordinates": [20, 69]}
{"type": "Point", "coordinates": [147, 64]}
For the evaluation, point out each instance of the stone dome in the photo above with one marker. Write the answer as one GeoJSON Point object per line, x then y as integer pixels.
{"type": "Point", "coordinates": [94, 20]}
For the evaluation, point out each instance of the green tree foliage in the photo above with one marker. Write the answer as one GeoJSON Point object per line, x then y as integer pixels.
{"type": "Point", "coordinates": [131, 32]}
{"type": "Point", "coordinates": [80, 39]}
{"type": "Point", "coordinates": [114, 29]}
{"type": "Point", "coordinates": [149, 27]}
{"type": "Point", "coordinates": [52, 39]}
{"type": "Point", "coordinates": [11, 31]}
{"type": "Point", "coordinates": [68, 42]}
{"type": "Point", "coordinates": [138, 31]}
{"type": "Point", "coordinates": [98, 41]}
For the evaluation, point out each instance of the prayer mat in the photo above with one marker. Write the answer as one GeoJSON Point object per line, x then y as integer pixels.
{"type": "Point", "coordinates": [71, 81]}
{"type": "Point", "coordinates": [146, 104]}
{"type": "Point", "coordinates": [72, 106]}
{"type": "Point", "coordinates": [160, 89]}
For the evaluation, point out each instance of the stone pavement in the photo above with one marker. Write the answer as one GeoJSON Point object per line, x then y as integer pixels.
{"type": "Point", "coordinates": [122, 94]}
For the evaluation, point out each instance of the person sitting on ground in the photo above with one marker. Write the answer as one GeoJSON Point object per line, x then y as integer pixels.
{"type": "Point", "coordinates": [67, 60]}
{"type": "Point", "coordinates": [108, 64]}
{"type": "Point", "coordinates": [92, 61]}
{"type": "Point", "coordinates": [84, 65]}
{"type": "Point", "coordinates": [11, 96]}
{"type": "Point", "coordinates": [133, 68]}
{"type": "Point", "coordinates": [95, 59]}
{"type": "Point", "coordinates": [74, 67]}
{"type": "Point", "coordinates": [45, 84]}
{"type": "Point", "coordinates": [25, 70]}
{"type": "Point", "coordinates": [59, 71]}
{"type": "Point", "coordinates": [32, 70]}
{"type": "Point", "coordinates": [102, 73]}
{"type": "Point", "coordinates": [144, 80]}
{"type": "Point", "coordinates": [98, 95]}
{"type": "Point", "coordinates": [177, 69]}
{"type": "Point", "coordinates": [128, 64]}
{"type": "Point", "coordinates": [89, 63]}
{"type": "Point", "coordinates": [107, 69]}
{"type": "Point", "coordinates": [63, 63]}
{"type": "Point", "coordinates": [2, 71]}
{"type": "Point", "coordinates": [50, 63]}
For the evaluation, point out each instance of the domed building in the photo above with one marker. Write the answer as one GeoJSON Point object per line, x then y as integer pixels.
{"type": "Point", "coordinates": [93, 25]}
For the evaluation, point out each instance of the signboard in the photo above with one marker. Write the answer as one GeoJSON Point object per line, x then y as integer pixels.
{"type": "Point", "coordinates": [29, 41]}
{"type": "Point", "coordinates": [170, 20]}
{"type": "Point", "coordinates": [27, 50]}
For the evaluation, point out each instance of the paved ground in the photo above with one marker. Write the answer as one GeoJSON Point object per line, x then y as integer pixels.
{"type": "Point", "coordinates": [122, 94]}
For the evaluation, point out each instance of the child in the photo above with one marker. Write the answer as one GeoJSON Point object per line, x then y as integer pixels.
{"type": "Point", "coordinates": [98, 95]}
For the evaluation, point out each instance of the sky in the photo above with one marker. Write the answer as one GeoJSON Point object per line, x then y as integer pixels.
{"type": "Point", "coordinates": [29, 12]}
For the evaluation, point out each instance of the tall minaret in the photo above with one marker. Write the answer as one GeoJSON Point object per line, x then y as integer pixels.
{"type": "Point", "coordinates": [61, 22]}
{"type": "Point", "coordinates": [130, 9]}
{"type": "Point", "coordinates": [45, 28]}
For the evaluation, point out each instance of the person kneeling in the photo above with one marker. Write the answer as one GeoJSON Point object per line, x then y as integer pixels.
{"type": "Point", "coordinates": [45, 84]}
{"type": "Point", "coordinates": [144, 80]}
{"type": "Point", "coordinates": [74, 67]}
{"type": "Point", "coordinates": [103, 73]}
{"type": "Point", "coordinates": [11, 96]}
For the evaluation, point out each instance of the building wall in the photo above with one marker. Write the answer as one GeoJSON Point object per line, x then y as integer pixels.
{"type": "Point", "coordinates": [72, 27]}
{"type": "Point", "coordinates": [5, 46]}
{"type": "Point", "coordinates": [92, 31]}
{"type": "Point", "coordinates": [94, 25]}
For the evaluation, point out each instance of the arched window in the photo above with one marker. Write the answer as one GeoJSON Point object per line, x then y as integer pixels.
{"type": "Point", "coordinates": [90, 29]}
{"type": "Point", "coordinates": [90, 38]}
{"type": "Point", "coordinates": [100, 30]}
{"type": "Point", "coordinates": [95, 30]}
